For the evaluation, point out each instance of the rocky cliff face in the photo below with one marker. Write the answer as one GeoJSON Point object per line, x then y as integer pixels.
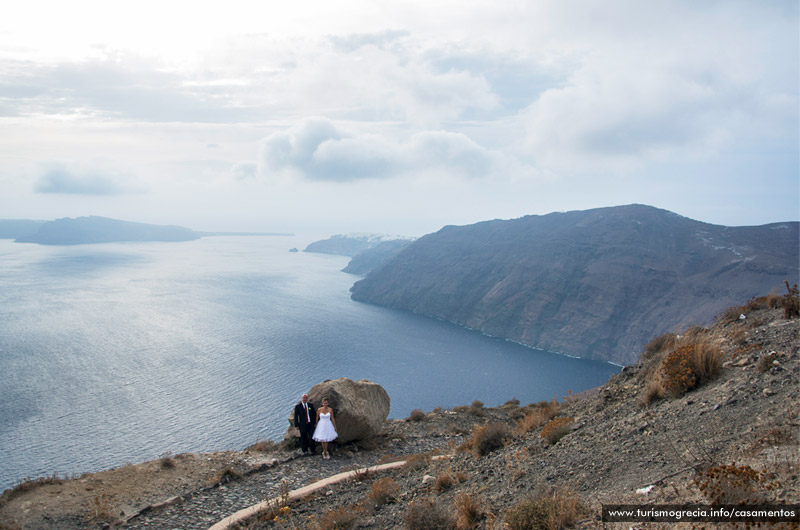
{"type": "Point", "coordinates": [596, 283]}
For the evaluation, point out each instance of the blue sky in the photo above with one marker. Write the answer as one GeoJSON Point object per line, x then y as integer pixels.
{"type": "Point", "coordinates": [399, 116]}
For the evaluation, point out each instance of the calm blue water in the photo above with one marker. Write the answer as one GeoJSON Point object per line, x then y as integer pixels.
{"type": "Point", "coordinates": [120, 353]}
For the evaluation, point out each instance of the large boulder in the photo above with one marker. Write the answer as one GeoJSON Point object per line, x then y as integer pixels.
{"type": "Point", "coordinates": [360, 408]}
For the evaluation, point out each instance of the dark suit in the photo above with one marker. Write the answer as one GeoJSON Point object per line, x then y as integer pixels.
{"type": "Point", "coordinates": [306, 427]}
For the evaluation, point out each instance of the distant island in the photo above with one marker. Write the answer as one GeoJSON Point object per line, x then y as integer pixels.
{"type": "Point", "coordinates": [368, 251]}
{"type": "Point", "coordinates": [95, 229]}
{"type": "Point", "coordinates": [595, 284]}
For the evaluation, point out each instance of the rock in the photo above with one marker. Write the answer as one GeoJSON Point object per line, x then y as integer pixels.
{"type": "Point", "coordinates": [427, 479]}
{"type": "Point", "coordinates": [359, 407]}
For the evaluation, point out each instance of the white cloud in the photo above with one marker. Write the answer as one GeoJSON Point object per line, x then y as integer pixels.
{"type": "Point", "coordinates": [61, 179]}
{"type": "Point", "coordinates": [317, 149]}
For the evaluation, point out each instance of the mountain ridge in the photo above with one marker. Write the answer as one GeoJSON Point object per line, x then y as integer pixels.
{"type": "Point", "coordinates": [592, 283]}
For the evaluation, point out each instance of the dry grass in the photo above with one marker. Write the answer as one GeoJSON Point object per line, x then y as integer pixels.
{"type": "Point", "coordinates": [428, 514]}
{"type": "Point", "coordinates": [384, 491]}
{"type": "Point", "coordinates": [417, 461]}
{"type": "Point", "coordinates": [476, 409]}
{"type": "Point", "coordinates": [469, 510]}
{"type": "Point", "coordinates": [416, 415]}
{"type": "Point", "coordinates": [676, 364]}
{"type": "Point", "coordinates": [553, 511]}
{"type": "Point", "coordinates": [487, 438]}
{"type": "Point", "coordinates": [556, 429]}
{"type": "Point", "coordinates": [340, 518]}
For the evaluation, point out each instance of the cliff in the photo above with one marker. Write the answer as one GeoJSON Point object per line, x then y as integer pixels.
{"type": "Point", "coordinates": [93, 229]}
{"type": "Point", "coordinates": [374, 257]}
{"type": "Point", "coordinates": [595, 283]}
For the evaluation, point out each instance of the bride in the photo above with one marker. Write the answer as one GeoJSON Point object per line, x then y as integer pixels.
{"type": "Point", "coordinates": [326, 427]}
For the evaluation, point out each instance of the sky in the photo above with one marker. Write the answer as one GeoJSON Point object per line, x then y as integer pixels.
{"type": "Point", "coordinates": [397, 117]}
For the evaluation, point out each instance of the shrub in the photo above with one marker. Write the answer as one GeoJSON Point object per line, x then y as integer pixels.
{"type": "Point", "coordinates": [416, 415]}
{"type": "Point", "coordinates": [489, 437]}
{"type": "Point", "coordinates": [689, 366]}
{"type": "Point", "coordinates": [548, 512]}
{"type": "Point", "coordinates": [532, 420]}
{"type": "Point", "coordinates": [477, 408]}
{"type": "Point", "coordinates": [556, 429]}
{"type": "Point", "coordinates": [774, 301]}
{"type": "Point", "coordinates": [707, 361]}
{"type": "Point", "coordinates": [340, 518]}
{"type": "Point", "coordinates": [444, 481]}
{"type": "Point", "coordinates": [468, 509]}
{"type": "Point", "coordinates": [677, 374]}
{"type": "Point", "coordinates": [384, 491]}
{"type": "Point", "coordinates": [167, 462]}
{"type": "Point", "coordinates": [511, 404]}
{"type": "Point", "coordinates": [732, 484]}
{"type": "Point", "coordinates": [417, 461]}
{"type": "Point", "coordinates": [659, 344]}
{"type": "Point", "coordinates": [428, 514]}
{"type": "Point", "coordinates": [652, 391]}
{"type": "Point", "coordinates": [791, 302]}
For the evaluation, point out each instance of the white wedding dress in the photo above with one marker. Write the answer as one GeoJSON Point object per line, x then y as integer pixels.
{"type": "Point", "coordinates": [325, 431]}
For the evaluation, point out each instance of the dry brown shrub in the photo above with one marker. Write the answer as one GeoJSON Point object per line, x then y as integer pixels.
{"type": "Point", "coordinates": [774, 301]}
{"type": "Point", "coordinates": [553, 511]}
{"type": "Point", "coordinates": [417, 461]}
{"type": "Point", "coordinates": [444, 481]}
{"type": "Point", "coordinates": [677, 375]}
{"type": "Point", "coordinates": [476, 408]}
{"type": "Point", "coordinates": [384, 491]}
{"type": "Point", "coordinates": [732, 484]}
{"type": "Point", "coordinates": [101, 509]}
{"type": "Point", "coordinates": [469, 511]}
{"type": "Point", "coordinates": [517, 463]}
{"type": "Point", "coordinates": [532, 420]}
{"type": "Point", "coordinates": [791, 301]}
{"type": "Point", "coordinates": [428, 514]}
{"type": "Point", "coordinates": [707, 361]}
{"type": "Point", "coordinates": [340, 518]}
{"type": "Point", "coordinates": [653, 390]}
{"type": "Point", "coordinates": [489, 437]}
{"type": "Point", "coordinates": [416, 415]}
{"type": "Point", "coordinates": [556, 429]}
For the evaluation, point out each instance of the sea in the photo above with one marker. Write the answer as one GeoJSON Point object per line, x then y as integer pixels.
{"type": "Point", "coordinates": [118, 353]}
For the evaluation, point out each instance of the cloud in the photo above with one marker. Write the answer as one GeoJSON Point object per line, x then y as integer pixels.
{"type": "Point", "coordinates": [60, 179]}
{"type": "Point", "coordinates": [317, 149]}
{"type": "Point", "coordinates": [671, 83]}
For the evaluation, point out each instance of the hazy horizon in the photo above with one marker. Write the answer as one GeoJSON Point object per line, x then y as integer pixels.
{"type": "Point", "coordinates": [397, 117]}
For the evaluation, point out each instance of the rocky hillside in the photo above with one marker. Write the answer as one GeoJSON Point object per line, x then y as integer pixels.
{"type": "Point", "coordinates": [595, 284]}
{"type": "Point", "coordinates": [372, 258]}
{"type": "Point", "coordinates": [707, 416]}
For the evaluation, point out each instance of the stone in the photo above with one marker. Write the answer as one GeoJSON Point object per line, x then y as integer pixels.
{"type": "Point", "coordinates": [360, 408]}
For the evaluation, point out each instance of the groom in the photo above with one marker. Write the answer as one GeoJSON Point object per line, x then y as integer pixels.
{"type": "Point", "coordinates": [305, 417]}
